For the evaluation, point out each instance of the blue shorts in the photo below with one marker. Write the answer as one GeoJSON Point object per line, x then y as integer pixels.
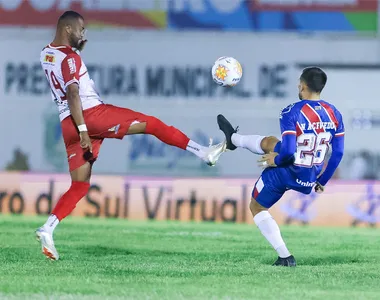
{"type": "Point", "coordinates": [274, 182]}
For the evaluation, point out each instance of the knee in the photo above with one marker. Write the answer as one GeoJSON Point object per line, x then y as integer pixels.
{"type": "Point", "coordinates": [268, 143]}
{"type": "Point", "coordinates": [153, 120]}
{"type": "Point", "coordinates": [255, 207]}
{"type": "Point", "coordinates": [80, 188]}
{"type": "Point", "coordinates": [152, 124]}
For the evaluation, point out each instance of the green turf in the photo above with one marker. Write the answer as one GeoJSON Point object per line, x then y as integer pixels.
{"type": "Point", "coordinates": [118, 259]}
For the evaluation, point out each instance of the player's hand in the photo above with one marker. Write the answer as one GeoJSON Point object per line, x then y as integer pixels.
{"type": "Point", "coordinates": [319, 188]}
{"type": "Point", "coordinates": [81, 45]}
{"type": "Point", "coordinates": [267, 160]}
{"type": "Point", "coordinates": [85, 141]}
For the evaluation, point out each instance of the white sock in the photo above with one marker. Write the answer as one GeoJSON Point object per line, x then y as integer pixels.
{"type": "Point", "coordinates": [51, 223]}
{"type": "Point", "coordinates": [271, 232]}
{"type": "Point", "coordinates": [197, 149]}
{"type": "Point", "coordinates": [250, 142]}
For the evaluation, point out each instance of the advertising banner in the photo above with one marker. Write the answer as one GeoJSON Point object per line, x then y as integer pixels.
{"type": "Point", "coordinates": [221, 15]}
{"type": "Point", "coordinates": [189, 199]}
{"type": "Point", "coordinates": [146, 14]}
{"type": "Point", "coordinates": [145, 65]}
{"type": "Point", "coordinates": [275, 15]}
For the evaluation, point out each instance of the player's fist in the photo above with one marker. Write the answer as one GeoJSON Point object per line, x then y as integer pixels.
{"type": "Point", "coordinates": [85, 141]}
{"type": "Point", "coordinates": [319, 188]}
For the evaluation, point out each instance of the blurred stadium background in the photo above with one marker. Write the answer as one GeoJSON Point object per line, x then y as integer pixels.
{"type": "Point", "coordinates": [155, 56]}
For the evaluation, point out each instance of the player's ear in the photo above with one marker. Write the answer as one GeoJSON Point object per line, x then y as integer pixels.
{"type": "Point", "coordinates": [303, 86]}
{"type": "Point", "coordinates": [68, 28]}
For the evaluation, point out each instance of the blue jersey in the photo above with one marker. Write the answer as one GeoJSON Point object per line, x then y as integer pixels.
{"type": "Point", "coordinates": [309, 128]}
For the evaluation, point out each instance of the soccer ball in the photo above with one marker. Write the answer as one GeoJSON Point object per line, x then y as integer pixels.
{"type": "Point", "coordinates": [226, 71]}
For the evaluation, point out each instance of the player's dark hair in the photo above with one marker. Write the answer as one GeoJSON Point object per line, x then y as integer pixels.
{"type": "Point", "coordinates": [315, 79]}
{"type": "Point", "coordinates": [68, 16]}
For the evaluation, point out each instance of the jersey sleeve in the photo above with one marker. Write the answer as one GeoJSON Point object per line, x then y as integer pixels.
{"type": "Point", "coordinates": [70, 69]}
{"type": "Point", "coordinates": [340, 127]}
{"type": "Point", "coordinates": [337, 151]}
{"type": "Point", "coordinates": [334, 161]}
{"type": "Point", "coordinates": [287, 122]}
{"type": "Point", "coordinates": [288, 133]}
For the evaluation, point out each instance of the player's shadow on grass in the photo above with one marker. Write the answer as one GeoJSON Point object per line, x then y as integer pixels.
{"type": "Point", "coordinates": [103, 251]}
{"type": "Point", "coordinates": [106, 251]}
{"type": "Point", "coordinates": [331, 260]}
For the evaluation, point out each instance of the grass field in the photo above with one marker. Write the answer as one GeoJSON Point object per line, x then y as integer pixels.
{"type": "Point", "coordinates": [118, 259]}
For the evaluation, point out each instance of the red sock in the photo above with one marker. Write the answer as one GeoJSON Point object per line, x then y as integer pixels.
{"type": "Point", "coordinates": [167, 134]}
{"type": "Point", "coordinates": [69, 200]}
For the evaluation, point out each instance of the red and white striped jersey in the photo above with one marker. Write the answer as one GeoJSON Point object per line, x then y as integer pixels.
{"type": "Point", "coordinates": [63, 66]}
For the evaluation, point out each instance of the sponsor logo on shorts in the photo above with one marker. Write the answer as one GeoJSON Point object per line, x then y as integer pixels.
{"type": "Point", "coordinates": [305, 183]}
{"type": "Point", "coordinates": [72, 155]}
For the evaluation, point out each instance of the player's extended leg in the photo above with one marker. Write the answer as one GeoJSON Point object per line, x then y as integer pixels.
{"type": "Point", "coordinates": [174, 137]}
{"type": "Point", "coordinates": [255, 143]}
{"type": "Point", "coordinates": [115, 122]}
{"type": "Point", "coordinates": [80, 179]}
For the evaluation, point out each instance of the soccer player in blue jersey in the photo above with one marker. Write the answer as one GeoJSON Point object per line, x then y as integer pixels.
{"type": "Point", "coordinates": [309, 128]}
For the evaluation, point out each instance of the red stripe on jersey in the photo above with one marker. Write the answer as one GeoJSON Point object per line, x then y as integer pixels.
{"type": "Point", "coordinates": [299, 130]}
{"type": "Point", "coordinates": [313, 117]}
{"type": "Point", "coordinates": [330, 113]}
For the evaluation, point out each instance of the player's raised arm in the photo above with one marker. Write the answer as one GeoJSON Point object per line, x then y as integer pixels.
{"type": "Point", "coordinates": [70, 72]}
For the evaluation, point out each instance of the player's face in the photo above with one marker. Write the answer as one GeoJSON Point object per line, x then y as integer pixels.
{"type": "Point", "coordinates": [76, 33]}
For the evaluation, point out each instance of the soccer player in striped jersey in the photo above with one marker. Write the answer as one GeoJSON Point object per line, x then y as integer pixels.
{"type": "Point", "coordinates": [309, 128]}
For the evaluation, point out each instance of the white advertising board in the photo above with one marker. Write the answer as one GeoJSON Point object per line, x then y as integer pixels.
{"type": "Point", "coordinates": [167, 74]}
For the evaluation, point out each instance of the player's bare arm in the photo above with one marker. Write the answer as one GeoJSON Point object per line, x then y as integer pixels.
{"type": "Point", "coordinates": [75, 107]}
